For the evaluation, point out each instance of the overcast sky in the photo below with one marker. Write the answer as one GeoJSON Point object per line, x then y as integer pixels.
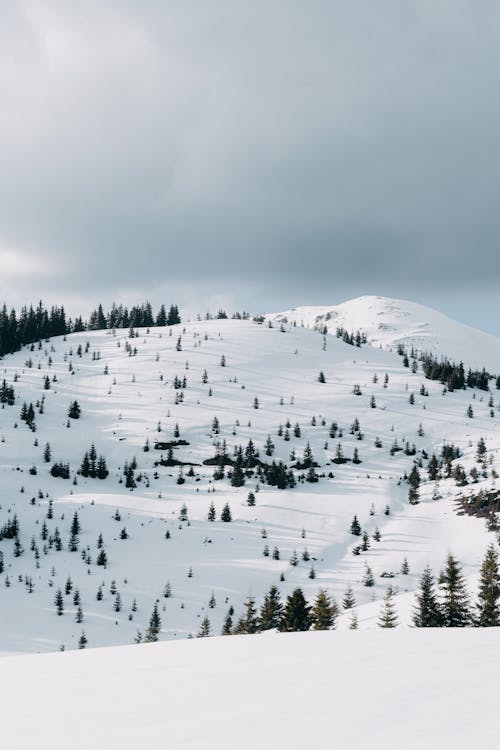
{"type": "Point", "coordinates": [258, 155]}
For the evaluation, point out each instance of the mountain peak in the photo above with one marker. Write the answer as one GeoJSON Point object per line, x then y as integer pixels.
{"type": "Point", "coordinates": [389, 323]}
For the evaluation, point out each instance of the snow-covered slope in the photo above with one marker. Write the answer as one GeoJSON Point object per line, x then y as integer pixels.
{"type": "Point", "coordinates": [126, 389]}
{"type": "Point", "coordinates": [388, 322]}
{"type": "Point", "coordinates": [393, 689]}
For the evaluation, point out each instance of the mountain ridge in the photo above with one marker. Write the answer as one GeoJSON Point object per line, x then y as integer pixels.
{"type": "Point", "coordinates": [388, 323]}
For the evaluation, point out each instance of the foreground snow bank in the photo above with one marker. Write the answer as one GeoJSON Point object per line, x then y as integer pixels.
{"type": "Point", "coordinates": [380, 689]}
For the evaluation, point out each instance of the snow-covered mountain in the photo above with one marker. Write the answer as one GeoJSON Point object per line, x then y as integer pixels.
{"type": "Point", "coordinates": [390, 322]}
{"type": "Point", "coordinates": [198, 390]}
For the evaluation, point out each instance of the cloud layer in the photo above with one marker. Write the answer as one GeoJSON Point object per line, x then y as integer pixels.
{"type": "Point", "coordinates": [259, 151]}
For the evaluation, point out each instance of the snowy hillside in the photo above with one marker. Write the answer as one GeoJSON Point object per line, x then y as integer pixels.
{"type": "Point", "coordinates": [385, 689]}
{"type": "Point", "coordinates": [389, 322]}
{"type": "Point", "coordinates": [200, 390]}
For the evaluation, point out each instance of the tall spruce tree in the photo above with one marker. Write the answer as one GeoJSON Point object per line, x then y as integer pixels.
{"type": "Point", "coordinates": [271, 610]}
{"type": "Point", "coordinates": [249, 622]}
{"type": "Point", "coordinates": [348, 602]}
{"type": "Point", "coordinates": [454, 605]}
{"type": "Point", "coordinates": [426, 613]}
{"type": "Point", "coordinates": [297, 613]}
{"type": "Point", "coordinates": [324, 612]}
{"type": "Point", "coordinates": [489, 591]}
{"type": "Point", "coordinates": [388, 617]}
{"type": "Point", "coordinates": [205, 628]}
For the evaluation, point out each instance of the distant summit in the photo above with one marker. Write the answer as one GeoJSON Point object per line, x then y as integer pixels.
{"type": "Point", "coordinates": [388, 323]}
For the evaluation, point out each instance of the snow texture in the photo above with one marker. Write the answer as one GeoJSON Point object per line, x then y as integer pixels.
{"type": "Point", "coordinates": [382, 689]}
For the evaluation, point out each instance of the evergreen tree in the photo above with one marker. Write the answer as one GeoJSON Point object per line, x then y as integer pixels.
{"type": "Point", "coordinates": [489, 591]}
{"type": "Point", "coordinates": [271, 610]}
{"type": "Point", "coordinates": [75, 525]}
{"type": "Point", "coordinates": [455, 608]}
{"type": "Point", "coordinates": [205, 628]}
{"type": "Point", "coordinates": [154, 628]}
{"type": "Point", "coordinates": [348, 602]}
{"type": "Point", "coordinates": [173, 317]}
{"type": "Point", "coordinates": [426, 613]}
{"type": "Point", "coordinates": [249, 622]}
{"type": "Point", "coordinates": [324, 612]}
{"type": "Point", "coordinates": [355, 527]}
{"type": "Point", "coordinates": [102, 558]}
{"type": "Point", "coordinates": [294, 559]}
{"type": "Point", "coordinates": [388, 616]}
{"type": "Point", "coordinates": [297, 613]}
{"type": "Point", "coordinates": [354, 621]}
{"type": "Point", "coordinates": [368, 579]}
{"type": "Point", "coordinates": [74, 410]}
{"type": "Point", "coordinates": [227, 628]}
{"type": "Point", "coordinates": [237, 476]}
{"type": "Point", "coordinates": [226, 514]}
{"type": "Point", "coordinates": [161, 318]}
{"type": "Point", "coordinates": [59, 602]}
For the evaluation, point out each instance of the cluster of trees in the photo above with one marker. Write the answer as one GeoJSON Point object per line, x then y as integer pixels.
{"type": "Point", "coordinates": [450, 606]}
{"type": "Point", "coordinates": [139, 316]}
{"type": "Point", "coordinates": [7, 393]}
{"type": "Point", "coordinates": [93, 466]}
{"type": "Point", "coordinates": [28, 415]}
{"type": "Point", "coordinates": [453, 375]}
{"type": "Point", "coordinates": [292, 615]}
{"type": "Point", "coordinates": [29, 325]}
{"type": "Point", "coordinates": [35, 324]}
{"type": "Point", "coordinates": [354, 339]}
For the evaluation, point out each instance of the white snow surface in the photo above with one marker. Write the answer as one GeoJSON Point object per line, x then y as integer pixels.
{"type": "Point", "coordinates": [380, 690]}
{"type": "Point", "coordinates": [126, 406]}
{"type": "Point", "coordinates": [388, 322]}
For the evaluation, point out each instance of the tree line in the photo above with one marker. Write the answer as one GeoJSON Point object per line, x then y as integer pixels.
{"type": "Point", "coordinates": [34, 324]}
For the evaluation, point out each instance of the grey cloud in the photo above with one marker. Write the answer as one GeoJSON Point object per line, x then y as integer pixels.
{"type": "Point", "coordinates": [281, 150]}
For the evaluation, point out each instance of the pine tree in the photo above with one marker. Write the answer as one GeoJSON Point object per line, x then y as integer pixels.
{"type": "Point", "coordinates": [489, 591]}
{"type": "Point", "coordinates": [294, 559]}
{"type": "Point", "coordinates": [75, 525]}
{"type": "Point", "coordinates": [237, 476]}
{"type": "Point", "coordinates": [368, 579]}
{"type": "Point", "coordinates": [83, 640]}
{"type": "Point", "coordinates": [227, 628]}
{"type": "Point", "coordinates": [59, 602]}
{"type": "Point", "coordinates": [271, 610]}
{"type": "Point", "coordinates": [297, 613]}
{"type": "Point", "coordinates": [226, 514]}
{"type": "Point", "coordinates": [205, 628]}
{"type": "Point", "coordinates": [153, 630]}
{"type": "Point", "coordinates": [348, 602]}
{"type": "Point", "coordinates": [388, 616]}
{"type": "Point", "coordinates": [211, 512]}
{"type": "Point", "coordinates": [249, 622]}
{"type": "Point", "coordinates": [455, 608]}
{"type": "Point", "coordinates": [355, 527]}
{"type": "Point", "coordinates": [102, 558]}
{"type": "Point", "coordinates": [324, 612]}
{"type": "Point", "coordinates": [74, 411]}
{"type": "Point", "coordinates": [426, 613]}
{"type": "Point", "coordinates": [365, 545]}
